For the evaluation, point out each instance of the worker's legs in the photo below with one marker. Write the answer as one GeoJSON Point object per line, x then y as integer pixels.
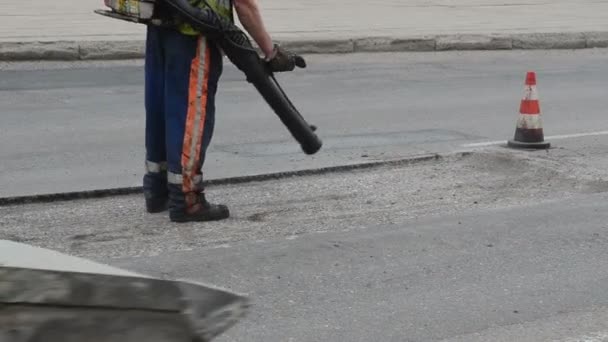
{"type": "Point", "coordinates": [193, 68]}
{"type": "Point", "coordinates": [155, 178]}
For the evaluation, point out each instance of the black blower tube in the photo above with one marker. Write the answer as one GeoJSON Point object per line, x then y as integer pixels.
{"type": "Point", "coordinates": [242, 54]}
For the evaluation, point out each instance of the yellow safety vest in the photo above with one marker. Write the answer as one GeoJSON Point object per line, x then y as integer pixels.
{"type": "Point", "coordinates": [222, 7]}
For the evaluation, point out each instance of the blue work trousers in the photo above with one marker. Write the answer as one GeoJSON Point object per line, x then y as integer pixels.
{"type": "Point", "coordinates": [181, 77]}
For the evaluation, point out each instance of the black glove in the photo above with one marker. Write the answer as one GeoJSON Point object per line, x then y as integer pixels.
{"type": "Point", "coordinates": [284, 60]}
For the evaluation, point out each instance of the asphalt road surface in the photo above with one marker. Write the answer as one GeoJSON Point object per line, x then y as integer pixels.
{"type": "Point", "coordinates": [79, 126]}
{"type": "Point", "coordinates": [493, 245]}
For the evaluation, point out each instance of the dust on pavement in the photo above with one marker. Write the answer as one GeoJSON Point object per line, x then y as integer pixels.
{"type": "Point", "coordinates": [337, 202]}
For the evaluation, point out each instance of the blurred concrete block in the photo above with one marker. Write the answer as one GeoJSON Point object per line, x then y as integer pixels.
{"type": "Point", "coordinates": [52, 297]}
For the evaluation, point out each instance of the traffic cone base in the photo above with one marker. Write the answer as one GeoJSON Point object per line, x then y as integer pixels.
{"type": "Point", "coordinates": [529, 130]}
{"type": "Point", "coordinates": [530, 145]}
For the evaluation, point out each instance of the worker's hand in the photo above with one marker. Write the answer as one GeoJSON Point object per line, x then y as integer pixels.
{"type": "Point", "coordinates": [282, 60]}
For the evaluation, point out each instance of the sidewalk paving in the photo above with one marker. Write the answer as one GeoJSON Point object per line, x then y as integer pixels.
{"type": "Point", "coordinates": [332, 27]}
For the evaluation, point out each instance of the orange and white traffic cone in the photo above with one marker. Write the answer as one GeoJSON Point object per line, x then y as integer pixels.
{"type": "Point", "coordinates": [529, 130]}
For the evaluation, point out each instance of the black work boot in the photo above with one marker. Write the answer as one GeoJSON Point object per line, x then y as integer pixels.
{"type": "Point", "coordinates": [156, 204]}
{"type": "Point", "coordinates": [156, 193]}
{"type": "Point", "coordinates": [193, 207]}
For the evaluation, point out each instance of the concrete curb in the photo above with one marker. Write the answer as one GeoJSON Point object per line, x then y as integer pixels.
{"type": "Point", "coordinates": [80, 195]}
{"type": "Point", "coordinates": [134, 49]}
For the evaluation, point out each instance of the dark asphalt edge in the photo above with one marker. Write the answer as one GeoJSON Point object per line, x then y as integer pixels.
{"type": "Point", "coordinates": [134, 49]}
{"type": "Point", "coordinates": [101, 193]}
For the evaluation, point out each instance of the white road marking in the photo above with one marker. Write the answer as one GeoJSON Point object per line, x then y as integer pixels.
{"type": "Point", "coordinates": [486, 143]}
{"type": "Point", "coordinates": [224, 245]}
{"type": "Point", "coordinates": [553, 137]}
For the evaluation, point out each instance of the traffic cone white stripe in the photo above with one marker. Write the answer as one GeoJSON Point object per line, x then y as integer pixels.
{"type": "Point", "coordinates": [529, 121]}
{"type": "Point", "coordinates": [530, 93]}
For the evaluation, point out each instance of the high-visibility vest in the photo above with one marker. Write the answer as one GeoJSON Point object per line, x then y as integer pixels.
{"type": "Point", "coordinates": [222, 7]}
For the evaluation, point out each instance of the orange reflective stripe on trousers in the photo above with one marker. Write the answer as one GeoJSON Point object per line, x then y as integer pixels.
{"type": "Point", "coordinates": [195, 121]}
